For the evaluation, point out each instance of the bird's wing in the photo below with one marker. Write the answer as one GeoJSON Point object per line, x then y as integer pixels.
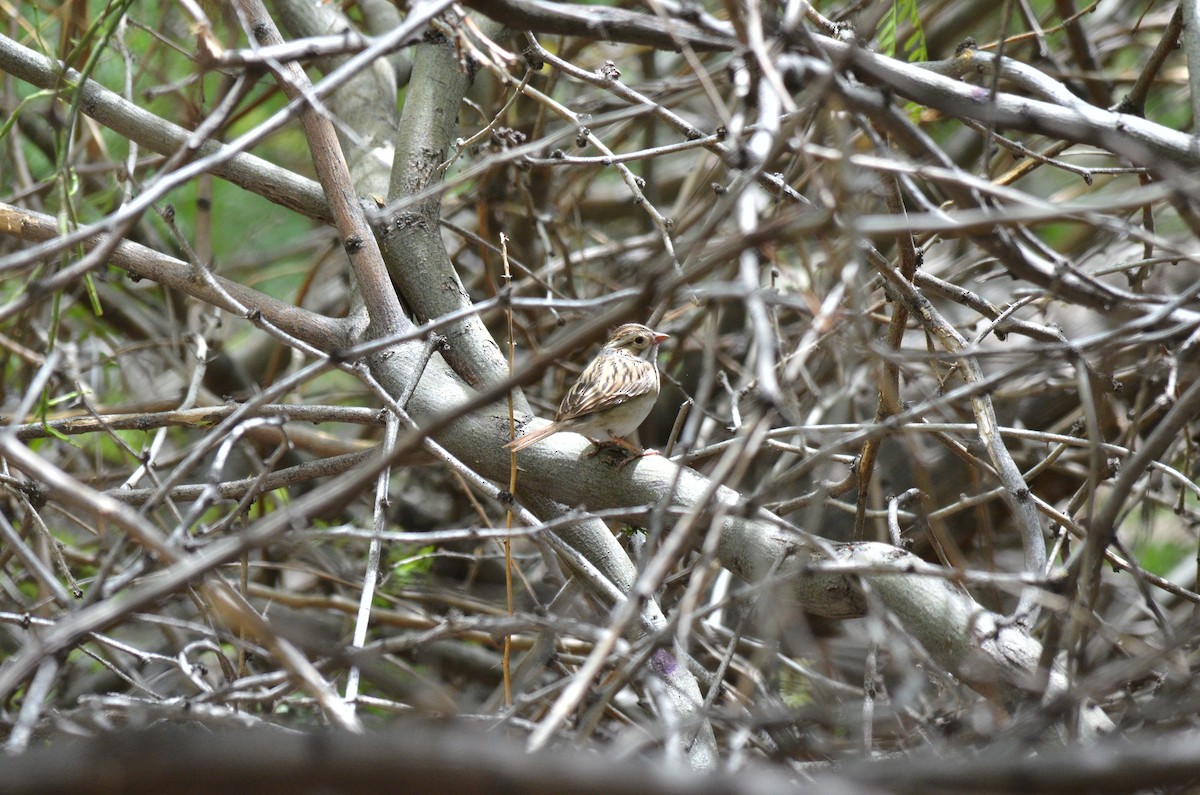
{"type": "Point", "coordinates": [608, 381]}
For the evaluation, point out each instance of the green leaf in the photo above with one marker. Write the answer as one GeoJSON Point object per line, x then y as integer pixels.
{"type": "Point", "coordinates": [902, 11]}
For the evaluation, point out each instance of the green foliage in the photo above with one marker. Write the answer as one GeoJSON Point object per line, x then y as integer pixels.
{"type": "Point", "coordinates": [794, 688]}
{"type": "Point", "coordinates": [409, 563]}
{"type": "Point", "coordinates": [6, 124]}
{"type": "Point", "coordinates": [902, 12]}
{"type": "Point", "coordinates": [108, 449]}
{"type": "Point", "coordinates": [234, 208]}
{"type": "Point", "coordinates": [913, 49]}
{"type": "Point", "coordinates": [1160, 557]}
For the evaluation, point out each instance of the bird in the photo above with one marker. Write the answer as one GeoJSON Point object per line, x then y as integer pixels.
{"type": "Point", "coordinates": [613, 394]}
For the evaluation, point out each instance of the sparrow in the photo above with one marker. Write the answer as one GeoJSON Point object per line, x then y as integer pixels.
{"type": "Point", "coordinates": [613, 394]}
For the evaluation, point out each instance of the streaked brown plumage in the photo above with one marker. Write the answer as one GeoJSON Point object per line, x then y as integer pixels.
{"type": "Point", "coordinates": [614, 393]}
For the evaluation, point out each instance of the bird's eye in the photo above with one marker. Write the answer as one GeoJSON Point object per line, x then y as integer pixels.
{"type": "Point", "coordinates": [639, 339]}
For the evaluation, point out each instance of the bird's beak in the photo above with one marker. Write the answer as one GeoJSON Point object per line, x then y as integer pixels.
{"type": "Point", "coordinates": [659, 337]}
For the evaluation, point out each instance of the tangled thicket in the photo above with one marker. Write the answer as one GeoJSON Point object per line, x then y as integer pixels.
{"type": "Point", "coordinates": [927, 426]}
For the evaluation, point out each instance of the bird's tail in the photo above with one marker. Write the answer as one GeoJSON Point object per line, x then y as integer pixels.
{"type": "Point", "coordinates": [521, 442]}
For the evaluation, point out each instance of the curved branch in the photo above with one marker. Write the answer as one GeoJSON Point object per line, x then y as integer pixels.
{"type": "Point", "coordinates": [245, 170]}
{"type": "Point", "coordinates": [601, 22]}
{"type": "Point", "coordinates": [320, 332]}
